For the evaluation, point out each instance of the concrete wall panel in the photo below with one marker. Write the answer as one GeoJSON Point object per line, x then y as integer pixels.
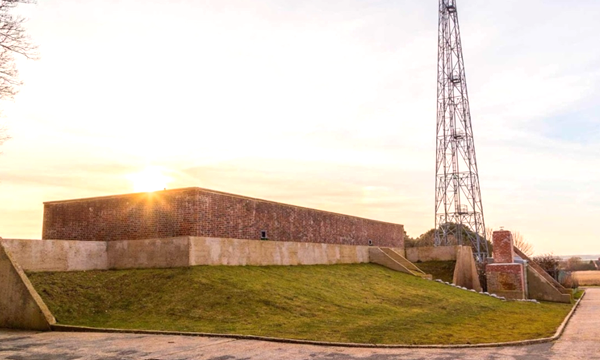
{"type": "Point", "coordinates": [255, 253]}
{"type": "Point", "coordinates": [200, 250]}
{"type": "Point", "coordinates": [292, 253]}
{"type": "Point", "coordinates": [215, 251]}
{"type": "Point", "coordinates": [269, 253]}
{"type": "Point", "coordinates": [348, 255]}
{"type": "Point", "coordinates": [72, 255]}
{"type": "Point", "coordinates": [431, 253]}
{"type": "Point", "coordinates": [305, 256]}
{"type": "Point", "coordinates": [58, 255]}
{"type": "Point", "coordinates": [81, 257]}
{"type": "Point", "coordinates": [152, 253]}
{"type": "Point", "coordinates": [333, 254]}
{"type": "Point", "coordinates": [321, 254]}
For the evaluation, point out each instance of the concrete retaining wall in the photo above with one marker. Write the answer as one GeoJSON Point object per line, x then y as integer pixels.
{"type": "Point", "coordinates": [431, 253]}
{"type": "Point", "coordinates": [72, 255]}
{"type": "Point", "coordinates": [151, 253]}
{"type": "Point", "coordinates": [215, 251]}
{"type": "Point", "coordinates": [58, 255]}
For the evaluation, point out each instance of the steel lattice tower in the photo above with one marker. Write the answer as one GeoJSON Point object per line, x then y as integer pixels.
{"type": "Point", "coordinates": [458, 208]}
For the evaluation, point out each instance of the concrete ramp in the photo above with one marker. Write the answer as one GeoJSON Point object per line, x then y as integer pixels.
{"type": "Point", "coordinates": [20, 305]}
{"type": "Point", "coordinates": [391, 259]}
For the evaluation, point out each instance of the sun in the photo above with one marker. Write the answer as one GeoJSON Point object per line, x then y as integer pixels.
{"type": "Point", "coordinates": [150, 179]}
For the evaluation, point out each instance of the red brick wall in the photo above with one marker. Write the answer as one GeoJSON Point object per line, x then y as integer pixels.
{"type": "Point", "coordinates": [200, 212]}
{"type": "Point", "coordinates": [506, 280]}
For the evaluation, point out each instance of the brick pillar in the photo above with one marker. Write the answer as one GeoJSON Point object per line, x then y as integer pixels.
{"type": "Point", "coordinates": [503, 247]}
{"type": "Point", "coordinates": [505, 277]}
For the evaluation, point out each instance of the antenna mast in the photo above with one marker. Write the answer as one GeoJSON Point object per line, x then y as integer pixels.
{"type": "Point", "coordinates": [458, 208]}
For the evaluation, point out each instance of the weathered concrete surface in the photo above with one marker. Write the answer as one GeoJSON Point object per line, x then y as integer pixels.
{"type": "Point", "coordinates": [73, 255]}
{"type": "Point", "coordinates": [431, 253]}
{"type": "Point", "coordinates": [152, 253]}
{"type": "Point", "coordinates": [20, 305]}
{"type": "Point", "coordinates": [580, 341]}
{"type": "Point", "coordinates": [541, 289]}
{"type": "Point", "coordinates": [58, 255]}
{"type": "Point", "coordinates": [465, 271]}
{"type": "Point", "coordinates": [216, 251]}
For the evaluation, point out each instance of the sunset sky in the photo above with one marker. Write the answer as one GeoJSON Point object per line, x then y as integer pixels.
{"type": "Point", "coordinates": [325, 104]}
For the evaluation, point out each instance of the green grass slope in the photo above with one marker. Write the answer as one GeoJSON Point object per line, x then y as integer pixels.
{"type": "Point", "coordinates": [348, 303]}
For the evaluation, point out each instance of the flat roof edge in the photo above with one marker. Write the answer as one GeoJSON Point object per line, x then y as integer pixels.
{"type": "Point", "coordinates": [106, 197]}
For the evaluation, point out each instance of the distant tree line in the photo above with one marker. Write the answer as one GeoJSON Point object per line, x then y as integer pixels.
{"type": "Point", "coordinates": [575, 263]}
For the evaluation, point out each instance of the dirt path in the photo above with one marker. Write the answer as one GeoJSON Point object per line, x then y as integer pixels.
{"type": "Point", "coordinates": [581, 340]}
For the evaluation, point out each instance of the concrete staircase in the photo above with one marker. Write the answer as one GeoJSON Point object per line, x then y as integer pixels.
{"type": "Point", "coordinates": [392, 259]}
{"type": "Point", "coordinates": [542, 272]}
{"type": "Point", "coordinates": [542, 286]}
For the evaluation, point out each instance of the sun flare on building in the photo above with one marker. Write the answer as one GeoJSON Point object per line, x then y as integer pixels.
{"type": "Point", "coordinates": [150, 179]}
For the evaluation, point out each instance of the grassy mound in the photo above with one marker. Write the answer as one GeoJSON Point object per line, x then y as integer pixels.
{"type": "Point", "coordinates": [349, 303]}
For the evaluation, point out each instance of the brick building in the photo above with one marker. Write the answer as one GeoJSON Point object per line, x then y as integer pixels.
{"type": "Point", "coordinates": [207, 213]}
